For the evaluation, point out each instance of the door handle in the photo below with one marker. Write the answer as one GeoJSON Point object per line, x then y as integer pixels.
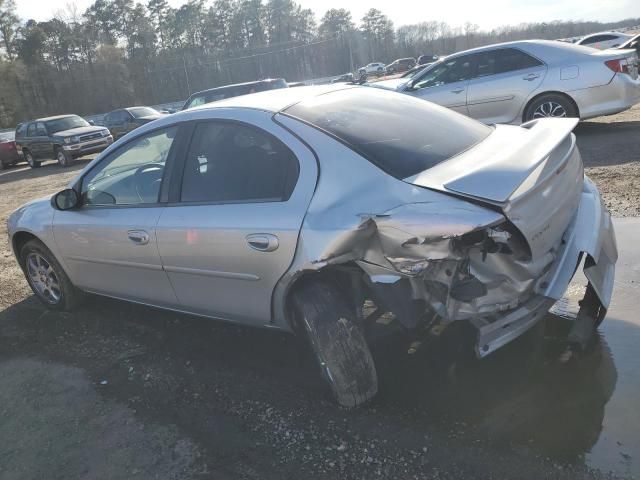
{"type": "Point", "coordinates": [531, 77]}
{"type": "Point", "coordinates": [263, 242]}
{"type": "Point", "coordinates": [457, 90]}
{"type": "Point", "coordinates": [139, 237]}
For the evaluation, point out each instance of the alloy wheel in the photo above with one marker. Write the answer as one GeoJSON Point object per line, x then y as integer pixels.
{"type": "Point", "coordinates": [43, 278]}
{"type": "Point", "coordinates": [549, 109]}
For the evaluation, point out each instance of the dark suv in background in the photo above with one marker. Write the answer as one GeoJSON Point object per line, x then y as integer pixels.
{"type": "Point", "coordinates": [401, 65]}
{"type": "Point", "coordinates": [63, 138]}
{"type": "Point", "coordinates": [122, 121]}
{"type": "Point", "coordinates": [228, 91]}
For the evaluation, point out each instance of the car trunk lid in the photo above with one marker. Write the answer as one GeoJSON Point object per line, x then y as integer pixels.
{"type": "Point", "coordinates": [532, 173]}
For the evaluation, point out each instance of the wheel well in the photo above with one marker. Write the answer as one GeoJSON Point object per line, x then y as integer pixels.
{"type": "Point", "coordinates": [347, 276]}
{"type": "Point", "coordinates": [18, 241]}
{"type": "Point", "coordinates": [562, 94]}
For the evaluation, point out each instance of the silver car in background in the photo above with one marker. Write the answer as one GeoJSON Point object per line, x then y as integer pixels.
{"type": "Point", "coordinates": [518, 81]}
{"type": "Point", "coordinates": [291, 209]}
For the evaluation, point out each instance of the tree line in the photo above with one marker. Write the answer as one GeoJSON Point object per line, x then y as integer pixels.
{"type": "Point", "coordinates": [118, 52]}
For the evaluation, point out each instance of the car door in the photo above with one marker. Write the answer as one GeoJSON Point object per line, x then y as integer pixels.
{"type": "Point", "coordinates": [503, 80]}
{"type": "Point", "coordinates": [445, 83]}
{"type": "Point", "coordinates": [231, 229]}
{"type": "Point", "coordinates": [40, 145]}
{"type": "Point", "coordinates": [109, 243]}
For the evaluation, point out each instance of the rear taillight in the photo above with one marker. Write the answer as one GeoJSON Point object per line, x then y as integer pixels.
{"type": "Point", "coordinates": [620, 65]}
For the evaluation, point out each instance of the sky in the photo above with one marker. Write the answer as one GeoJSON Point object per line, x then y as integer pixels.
{"type": "Point", "coordinates": [487, 14]}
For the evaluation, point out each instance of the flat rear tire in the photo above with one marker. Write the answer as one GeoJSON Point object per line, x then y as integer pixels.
{"type": "Point", "coordinates": [337, 341]}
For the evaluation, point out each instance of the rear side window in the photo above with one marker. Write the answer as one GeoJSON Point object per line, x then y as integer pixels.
{"type": "Point", "coordinates": [21, 131]}
{"type": "Point", "coordinates": [401, 134]}
{"type": "Point", "coordinates": [31, 132]}
{"type": "Point", "coordinates": [231, 162]}
{"type": "Point", "coordinates": [503, 60]}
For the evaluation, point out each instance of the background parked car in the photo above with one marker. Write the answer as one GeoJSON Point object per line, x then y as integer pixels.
{"type": "Point", "coordinates": [426, 59]}
{"type": "Point", "coordinates": [400, 65]}
{"type": "Point", "coordinates": [8, 152]}
{"type": "Point", "coordinates": [235, 90]}
{"type": "Point", "coordinates": [604, 40]}
{"type": "Point", "coordinates": [122, 121]}
{"type": "Point", "coordinates": [375, 68]}
{"type": "Point", "coordinates": [63, 138]}
{"type": "Point", "coordinates": [345, 77]}
{"type": "Point", "coordinates": [519, 81]}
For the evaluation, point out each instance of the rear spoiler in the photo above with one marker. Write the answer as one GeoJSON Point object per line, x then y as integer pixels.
{"type": "Point", "coordinates": [494, 169]}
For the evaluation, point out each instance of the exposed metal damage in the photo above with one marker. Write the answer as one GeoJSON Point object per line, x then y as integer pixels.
{"type": "Point", "coordinates": [477, 269]}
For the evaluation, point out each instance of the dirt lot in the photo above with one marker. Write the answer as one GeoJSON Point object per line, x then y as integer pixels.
{"type": "Point", "coordinates": [122, 391]}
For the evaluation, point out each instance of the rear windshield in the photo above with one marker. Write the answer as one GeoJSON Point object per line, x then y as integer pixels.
{"type": "Point", "coordinates": [234, 91]}
{"type": "Point", "coordinates": [139, 112]}
{"type": "Point", "coordinates": [401, 134]}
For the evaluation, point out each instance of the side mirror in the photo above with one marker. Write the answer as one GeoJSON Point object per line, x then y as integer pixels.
{"type": "Point", "coordinates": [67, 199]}
{"type": "Point", "coordinates": [91, 122]}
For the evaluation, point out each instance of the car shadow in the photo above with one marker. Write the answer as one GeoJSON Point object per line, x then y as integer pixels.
{"type": "Point", "coordinates": [521, 394]}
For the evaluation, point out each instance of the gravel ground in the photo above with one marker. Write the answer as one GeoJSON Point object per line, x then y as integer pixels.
{"type": "Point", "coordinates": [122, 391]}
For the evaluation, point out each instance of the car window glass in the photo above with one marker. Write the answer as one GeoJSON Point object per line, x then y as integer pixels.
{"type": "Point", "coordinates": [597, 38]}
{"type": "Point", "coordinates": [503, 60]}
{"type": "Point", "coordinates": [132, 174]}
{"type": "Point", "coordinates": [229, 162]}
{"type": "Point", "coordinates": [196, 101]}
{"type": "Point", "coordinates": [21, 131]}
{"type": "Point", "coordinates": [31, 132]}
{"type": "Point", "coordinates": [41, 131]}
{"type": "Point", "coordinates": [454, 70]}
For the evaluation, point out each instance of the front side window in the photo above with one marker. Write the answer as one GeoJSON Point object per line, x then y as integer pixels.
{"type": "Point", "coordinates": [31, 132]}
{"type": "Point", "coordinates": [230, 162]}
{"type": "Point", "coordinates": [503, 60]}
{"type": "Point", "coordinates": [450, 71]}
{"type": "Point", "coordinates": [41, 131]}
{"type": "Point", "coordinates": [132, 175]}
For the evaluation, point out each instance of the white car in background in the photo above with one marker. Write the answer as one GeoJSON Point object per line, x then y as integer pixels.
{"type": "Point", "coordinates": [375, 68]}
{"type": "Point", "coordinates": [517, 82]}
{"type": "Point", "coordinates": [604, 40]}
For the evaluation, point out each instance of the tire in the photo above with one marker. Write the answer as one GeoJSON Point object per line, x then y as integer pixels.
{"type": "Point", "coordinates": [550, 105]}
{"type": "Point", "coordinates": [63, 158]}
{"type": "Point", "coordinates": [35, 256]}
{"type": "Point", "coordinates": [33, 163]}
{"type": "Point", "coordinates": [338, 343]}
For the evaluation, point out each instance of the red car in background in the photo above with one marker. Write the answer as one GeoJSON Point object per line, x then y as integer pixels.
{"type": "Point", "coordinates": [8, 153]}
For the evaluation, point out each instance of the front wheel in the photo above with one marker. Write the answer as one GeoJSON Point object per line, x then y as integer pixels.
{"type": "Point", "coordinates": [338, 343]}
{"type": "Point", "coordinates": [46, 277]}
{"type": "Point", "coordinates": [33, 163]}
{"type": "Point", "coordinates": [550, 105]}
{"type": "Point", "coordinates": [64, 159]}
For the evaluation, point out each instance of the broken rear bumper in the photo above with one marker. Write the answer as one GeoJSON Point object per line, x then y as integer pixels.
{"type": "Point", "coordinates": [590, 233]}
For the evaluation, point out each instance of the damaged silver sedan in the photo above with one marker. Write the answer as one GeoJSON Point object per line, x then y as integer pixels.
{"type": "Point", "coordinates": [293, 209]}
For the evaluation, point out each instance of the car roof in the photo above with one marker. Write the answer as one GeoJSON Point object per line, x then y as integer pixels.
{"type": "Point", "coordinates": [618, 34]}
{"type": "Point", "coordinates": [272, 100]}
{"type": "Point", "coordinates": [233, 85]}
{"type": "Point", "coordinates": [527, 45]}
{"type": "Point", "coordinates": [55, 117]}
